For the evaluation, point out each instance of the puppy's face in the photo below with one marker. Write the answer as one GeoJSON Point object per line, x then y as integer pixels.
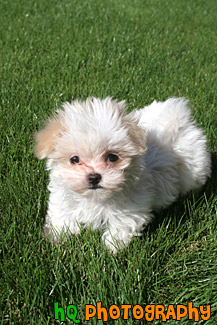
{"type": "Point", "coordinates": [92, 147]}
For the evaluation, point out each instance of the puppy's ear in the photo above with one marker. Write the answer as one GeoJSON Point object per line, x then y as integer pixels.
{"type": "Point", "coordinates": [136, 132]}
{"type": "Point", "coordinates": [45, 138]}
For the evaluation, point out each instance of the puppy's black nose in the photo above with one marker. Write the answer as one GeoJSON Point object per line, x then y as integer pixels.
{"type": "Point", "coordinates": [94, 179]}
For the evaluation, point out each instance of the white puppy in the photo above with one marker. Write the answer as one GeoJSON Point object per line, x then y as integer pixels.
{"type": "Point", "coordinates": [109, 169]}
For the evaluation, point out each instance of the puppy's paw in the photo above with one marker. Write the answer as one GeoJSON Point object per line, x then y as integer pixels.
{"type": "Point", "coordinates": [112, 242]}
{"type": "Point", "coordinates": [110, 245]}
{"type": "Point", "coordinates": [50, 234]}
{"type": "Point", "coordinates": [56, 236]}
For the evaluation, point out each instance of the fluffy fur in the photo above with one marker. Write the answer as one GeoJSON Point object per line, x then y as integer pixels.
{"type": "Point", "coordinates": [159, 153]}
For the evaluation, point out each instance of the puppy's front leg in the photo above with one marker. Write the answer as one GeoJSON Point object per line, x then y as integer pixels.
{"type": "Point", "coordinates": [113, 241]}
{"type": "Point", "coordinates": [117, 238]}
{"type": "Point", "coordinates": [58, 231]}
{"type": "Point", "coordinates": [123, 226]}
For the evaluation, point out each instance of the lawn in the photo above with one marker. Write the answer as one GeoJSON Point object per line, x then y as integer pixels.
{"type": "Point", "coordinates": [56, 51]}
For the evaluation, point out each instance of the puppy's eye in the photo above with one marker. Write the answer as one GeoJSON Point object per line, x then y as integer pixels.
{"type": "Point", "coordinates": [74, 160]}
{"type": "Point", "coordinates": [112, 157]}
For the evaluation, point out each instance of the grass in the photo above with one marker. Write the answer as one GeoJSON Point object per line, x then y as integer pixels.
{"type": "Point", "coordinates": [53, 51]}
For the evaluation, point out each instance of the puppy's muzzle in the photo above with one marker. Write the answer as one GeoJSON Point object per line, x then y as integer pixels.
{"type": "Point", "coordinates": [94, 179]}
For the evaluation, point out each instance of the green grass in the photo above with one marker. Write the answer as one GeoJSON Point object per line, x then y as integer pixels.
{"type": "Point", "coordinates": [53, 51]}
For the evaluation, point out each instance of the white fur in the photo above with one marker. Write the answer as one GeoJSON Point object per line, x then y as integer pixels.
{"type": "Point", "coordinates": [176, 161]}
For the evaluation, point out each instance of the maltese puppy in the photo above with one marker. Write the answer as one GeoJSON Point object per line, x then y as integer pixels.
{"type": "Point", "coordinates": [109, 170]}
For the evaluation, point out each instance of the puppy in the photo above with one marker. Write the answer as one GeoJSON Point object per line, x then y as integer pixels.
{"type": "Point", "coordinates": [109, 170]}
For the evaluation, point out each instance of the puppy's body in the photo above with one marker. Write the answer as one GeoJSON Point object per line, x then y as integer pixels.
{"type": "Point", "coordinates": [126, 165]}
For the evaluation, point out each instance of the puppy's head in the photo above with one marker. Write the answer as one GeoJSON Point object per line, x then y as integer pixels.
{"type": "Point", "coordinates": [92, 147]}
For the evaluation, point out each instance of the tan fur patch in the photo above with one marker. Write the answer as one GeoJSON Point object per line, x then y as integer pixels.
{"type": "Point", "coordinates": [45, 139]}
{"type": "Point", "coordinates": [136, 133]}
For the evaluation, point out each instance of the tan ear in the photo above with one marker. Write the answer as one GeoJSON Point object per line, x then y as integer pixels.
{"type": "Point", "coordinates": [45, 138]}
{"type": "Point", "coordinates": [136, 133]}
